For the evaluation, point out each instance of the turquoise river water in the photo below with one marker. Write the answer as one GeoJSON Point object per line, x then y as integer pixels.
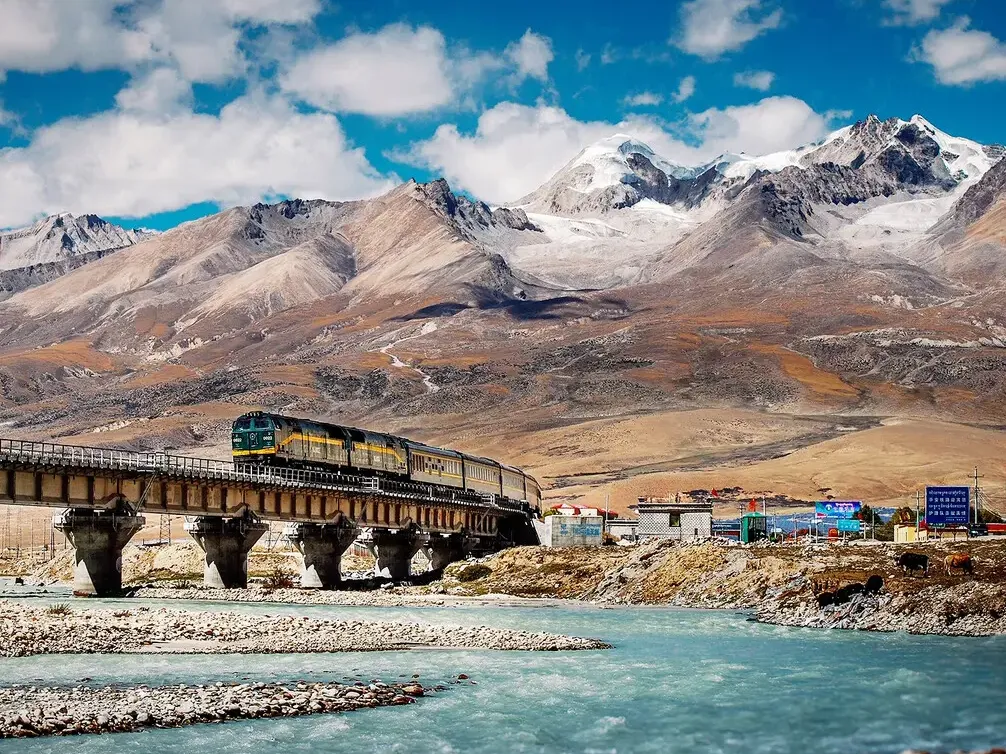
{"type": "Point", "coordinates": [677, 681]}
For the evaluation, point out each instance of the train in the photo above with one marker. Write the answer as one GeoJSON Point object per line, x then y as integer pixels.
{"type": "Point", "coordinates": [271, 439]}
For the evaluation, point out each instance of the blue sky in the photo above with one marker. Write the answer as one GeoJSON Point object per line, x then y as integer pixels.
{"type": "Point", "coordinates": [153, 112]}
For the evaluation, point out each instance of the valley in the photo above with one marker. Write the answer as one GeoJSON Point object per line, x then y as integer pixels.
{"type": "Point", "coordinates": [825, 317]}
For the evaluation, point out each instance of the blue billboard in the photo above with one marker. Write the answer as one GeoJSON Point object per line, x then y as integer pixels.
{"type": "Point", "coordinates": [948, 505]}
{"type": "Point", "coordinates": [848, 524]}
{"type": "Point", "coordinates": [837, 509]}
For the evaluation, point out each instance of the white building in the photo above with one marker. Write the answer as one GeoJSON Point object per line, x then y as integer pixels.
{"type": "Point", "coordinates": [681, 521]}
{"type": "Point", "coordinates": [572, 531]}
{"type": "Point", "coordinates": [622, 528]}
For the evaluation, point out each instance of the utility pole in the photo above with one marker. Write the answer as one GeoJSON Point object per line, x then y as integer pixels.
{"type": "Point", "coordinates": [918, 503]}
{"type": "Point", "coordinates": [977, 493]}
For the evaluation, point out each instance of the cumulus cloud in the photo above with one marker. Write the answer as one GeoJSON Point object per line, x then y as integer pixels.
{"type": "Point", "coordinates": [515, 148]}
{"type": "Point", "coordinates": [710, 28]}
{"type": "Point", "coordinates": [397, 70]}
{"type": "Point", "coordinates": [403, 70]}
{"type": "Point", "coordinates": [643, 99]}
{"type": "Point", "coordinates": [582, 60]}
{"type": "Point", "coordinates": [202, 39]}
{"type": "Point", "coordinates": [961, 55]}
{"type": "Point", "coordinates": [686, 88]}
{"type": "Point", "coordinates": [772, 125]}
{"type": "Point", "coordinates": [162, 90]}
{"type": "Point", "coordinates": [911, 12]}
{"type": "Point", "coordinates": [760, 80]}
{"type": "Point", "coordinates": [531, 55]}
{"type": "Point", "coordinates": [136, 163]}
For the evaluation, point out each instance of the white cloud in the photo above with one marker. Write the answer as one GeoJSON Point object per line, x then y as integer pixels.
{"type": "Point", "coordinates": [643, 99]}
{"type": "Point", "coordinates": [162, 90]}
{"type": "Point", "coordinates": [960, 55]}
{"type": "Point", "coordinates": [402, 70]}
{"type": "Point", "coordinates": [686, 88]}
{"type": "Point", "coordinates": [396, 71]}
{"type": "Point", "coordinates": [531, 55]}
{"type": "Point", "coordinates": [772, 125]}
{"type": "Point", "coordinates": [710, 28]}
{"type": "Point", "coordinates": [201, 38]}
{"type": "Point", "coordinates": [50, 35]}
{"type": "Point", "coordinates": [582, 60]}
{"type": "Point", "coordinates": [135, 163]}
{"type": "Point", "coordinates": [515, 148]}
{"type": "Point", "coordinates": [760, 80]}
{"type": "Point", "coordinates": [911, 12]}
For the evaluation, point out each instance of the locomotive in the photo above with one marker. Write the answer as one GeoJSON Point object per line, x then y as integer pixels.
{"type": "Point", "coordinates": [271, 439]}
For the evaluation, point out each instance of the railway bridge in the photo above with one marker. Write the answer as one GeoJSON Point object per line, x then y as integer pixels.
{"type": "Point", "coordinates": [105, 492]}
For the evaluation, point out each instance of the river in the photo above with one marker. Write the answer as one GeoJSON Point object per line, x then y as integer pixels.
{"type": "Point", "coordinates": [677, 681]}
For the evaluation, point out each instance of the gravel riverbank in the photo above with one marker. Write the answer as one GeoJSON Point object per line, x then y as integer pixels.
{"type": "Point", "coordinates": [28, 630]}
{"type": "Point", "coordinates": [29, 712]}
{"type": "Point", "coordinates": [396, 597]}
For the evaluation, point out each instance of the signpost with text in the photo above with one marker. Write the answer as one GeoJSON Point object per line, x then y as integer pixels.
{"type": "Point", "coordinates": [948, 506]}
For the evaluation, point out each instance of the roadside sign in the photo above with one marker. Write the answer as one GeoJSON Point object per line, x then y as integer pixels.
{"type": "Point", "coordinates": [948, 505]}
{"type": "Point", "coordinates": [837, 509]}
{"type": "Point", "coordinates": [848, 524]}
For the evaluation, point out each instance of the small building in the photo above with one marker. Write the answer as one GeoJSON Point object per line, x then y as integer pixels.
{"type": "Point", "coordinates": [681, 521]}
{"type": "Point", "coordinates": [904, 534]}
{"type": "Point", "coordinates": [624, 529]}
{"type": "Point", "coordinates": [754, 526]}
{"type": "Point", "coordinates": [572, 531]}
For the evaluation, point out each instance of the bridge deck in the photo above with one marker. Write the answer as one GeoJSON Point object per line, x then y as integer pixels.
{"type": "Point", "coordinates": [70, 476]}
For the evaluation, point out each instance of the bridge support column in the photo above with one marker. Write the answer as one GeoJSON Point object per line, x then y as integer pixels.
{"type": "Point", "coordinates": [445, 549]}
{"type": "Point", "coordinates": [322, 546]}
{"type": "Point", "coordinates": [226, 542]}
{"type": "Point", "coordinates": [393, 550]}
{"type": "Point", "coordinates": [97, 537]}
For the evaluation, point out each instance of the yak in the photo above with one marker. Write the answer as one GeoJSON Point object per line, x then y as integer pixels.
{"type": "Point", "coordinates": [844, 594]}
{"type": "Point", "coordinates": [959, 561]}
{"type": "Point", "coordinates": [913, 561]}
{"type": "Point", "coordinates": [874, 584]}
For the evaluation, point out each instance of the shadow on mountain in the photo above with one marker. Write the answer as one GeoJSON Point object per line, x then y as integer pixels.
{"type": "Point", "coordinates": [443, 309]}
{"type": "Point", "coordinates": [525, 309]}
{"type": "Point", "coordinates": [549, 308]}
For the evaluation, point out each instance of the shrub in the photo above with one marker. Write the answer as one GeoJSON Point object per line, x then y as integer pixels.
{"type": "Point", "coordinates": [279, 578]}
{"type": "Point", "coordinates": [60, 608]}
{"type": "Point", "coordinates": [474, 572]}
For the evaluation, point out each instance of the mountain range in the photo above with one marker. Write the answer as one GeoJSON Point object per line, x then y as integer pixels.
{"type": "Point", "coordinates": [849, 280]}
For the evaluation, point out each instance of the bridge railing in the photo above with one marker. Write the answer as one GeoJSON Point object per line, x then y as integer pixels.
{"type": "Point", "coordinates": [47, 453]}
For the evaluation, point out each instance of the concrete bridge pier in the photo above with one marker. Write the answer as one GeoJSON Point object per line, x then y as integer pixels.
{"type": "Point", "coordinates": [97, 537]}
{"type": "Point", "coordinates": [322, 546]}
{"type": "Point", "coordinates": [393, 549]}
{"type": "Point", "coordinates": [226, 542]}
{"type": "Point", "coordinates": [444, 549]}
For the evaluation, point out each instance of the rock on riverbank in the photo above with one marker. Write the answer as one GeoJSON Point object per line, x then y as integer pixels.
{"type": "Point", "coordinates": [31, 631]}
{"type": "Point", "coordinates": [780, 583]}
{"type": "Point", "coordinates": [28, 712]}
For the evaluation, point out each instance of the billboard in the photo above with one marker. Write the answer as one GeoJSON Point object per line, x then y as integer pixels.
{"type": "Point", "coordinates": [848, 524]}
{"type": "Point", "coordinates": [948, 505]}
{"type": "Point", "coordinates": [837, 509]}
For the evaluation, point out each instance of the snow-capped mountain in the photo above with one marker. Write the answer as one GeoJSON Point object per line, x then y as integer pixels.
{"type": "Point", "coordinates": [619, 213]}
{"type": "Point", "coordinates": [60, 237]}
{"type": "Point", "coordinates": [870, 158]}
{"type": "Point", "coordinates": [613, 173]}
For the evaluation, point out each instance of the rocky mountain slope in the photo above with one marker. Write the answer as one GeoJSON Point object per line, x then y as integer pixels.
{"type": "Point", "coordinates": [59, 238]}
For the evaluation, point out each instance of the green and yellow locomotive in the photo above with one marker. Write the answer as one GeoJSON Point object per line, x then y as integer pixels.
{"type": "Point", "coordinates": [275, 440]}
